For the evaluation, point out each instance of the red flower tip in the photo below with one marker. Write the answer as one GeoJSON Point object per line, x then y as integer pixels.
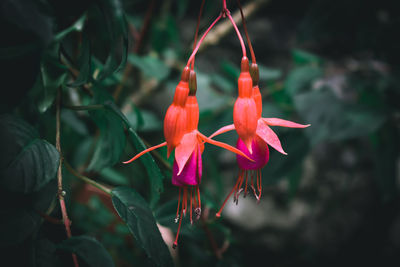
{"type": "Point", "coordinates": [245, 110]}
{"type": "Point", "coordinates": [175, 121]}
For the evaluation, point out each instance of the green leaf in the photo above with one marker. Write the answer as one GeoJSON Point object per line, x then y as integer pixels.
{"type": "Point", "coordinates": [231, 70]}
{"type": "Point", "coordinates": [304, 57]}
{"type": "Point", "coordinates": [151, 66]}
{"type": "Point", "coordinates": [300, 79]}
{"type": "Point", "coordinates": [84, 64]}
{"type": "Point", "coordinates": [136, 213]}
{"type": "Point", "coordinates": [334, 120]}
{"type": "Point", "coordinates": [28, 163]}
{"type": "Point", "coordinates": [269, 74]}
{"type": "Point", "coordinates": [153, 171]}
{"type": "Point", "coordinates": [88, 249]}
{"type": "Point", "coordinates": [112, 176]}
{"type": "Point", "coordinates": [223, 83]}
{"type": "Point", "coordinates": [116, 25]}
{"type": "Point", "coordinates": [76, 27]}
{"type": "Point", "coordinates": [50, 82]}
{"type": "Point", "coordinates": [112, 138]}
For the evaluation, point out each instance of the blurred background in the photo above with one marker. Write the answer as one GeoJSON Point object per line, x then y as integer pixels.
{"type": "Point", "coordinates": [332, 201]}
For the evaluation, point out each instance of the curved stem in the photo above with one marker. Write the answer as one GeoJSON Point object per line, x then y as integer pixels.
{"type": "Point", "coordinates": [197, 29]}
{"type": "Point", "coordinates": [253, 56]}
{"type": "Point", "coordinates": [237, 32]}
{"type": "Point", "coordinates": [191, 58]}
{"type": "Point", "coordinates": [61, 193]}
{"type": "Point", "coordinates": [86, 179]}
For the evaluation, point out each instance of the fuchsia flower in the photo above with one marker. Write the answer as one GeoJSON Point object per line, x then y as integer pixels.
{"type": "Point", "coordinates": [183, 136]}
{"type": "Point", "coordinates": [257, 145]}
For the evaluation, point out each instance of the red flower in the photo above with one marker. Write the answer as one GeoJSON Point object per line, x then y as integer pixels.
{"type": "Point", "coordinates": [181, 134]}
{"type": "Point", "coordinates": [257, 145]}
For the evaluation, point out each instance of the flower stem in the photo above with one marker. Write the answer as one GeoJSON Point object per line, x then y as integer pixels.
{"type": "Point", "coordinates": [197, 29]}
{"type": "Point", "coordinates": [86, 179]}
{"type": "Point", "coordinates": [237, 32]}
{"type": "Point", "coordinates": [66, 220]}
{"type": "Point", "coordinates": [191, 58]}
{"type": "Point", "coordinates": [253, 56]}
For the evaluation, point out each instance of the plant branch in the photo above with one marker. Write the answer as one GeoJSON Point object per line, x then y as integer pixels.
{"type": "Point", "coordinates": [87, 179]}
{"type": "Point", "coordinates": [61, 193]}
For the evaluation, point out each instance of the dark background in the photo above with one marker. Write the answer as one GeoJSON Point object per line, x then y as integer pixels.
{"type": "Point", "coordinates": [333, 201]}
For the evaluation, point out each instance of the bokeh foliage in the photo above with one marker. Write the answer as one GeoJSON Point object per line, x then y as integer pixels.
{"type": "Point", "coordinates": [115, 63]}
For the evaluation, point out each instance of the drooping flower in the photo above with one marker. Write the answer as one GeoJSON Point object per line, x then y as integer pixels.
{"type": "Point", "coordinates": [257, 145]}
{"type": "Point", "coordinates": [175, 117]}
{"type": "Point", "coordinates": [245, 111]}
{"type": "Point", "coordinates": [188, 143]}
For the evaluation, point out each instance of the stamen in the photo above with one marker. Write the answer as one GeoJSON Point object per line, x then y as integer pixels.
{"type": "Point", "coordinates": [197, 204]}
{"type": "Point", "coordinates": [245, 187]}
{"type": "Point", "coordinates": [184, 201]}
{"type": "Point", "coordinates": [260, 188]}
{"type": "Point", "coordinates": [226, 199]}
{"type": "Point", "coordinates": [191, 204]}
{"type": "Point", "coordinates": [177, 210]}
{"type": "Point", "coordinates": [177, 232]}
{"type": "Point", "coordinates": [198, 196]}
{"type": "Point", "coordinates": [239, 188]}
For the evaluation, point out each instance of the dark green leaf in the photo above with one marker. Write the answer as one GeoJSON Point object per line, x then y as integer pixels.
{"type": "Point", "coordinates": [88, 249]}
{"type": "Point", "coordinates": [304, 57]}
{"type": "Point", "coordinates": [51, 81]}
{"type": "Point", "coordinates": [116, 25]}
{"type": "Point", "coordinates": [28, 163]}
{"type": "Point", "coordinates": [113, 177]}
{"type": "Point", "coordinates": [223, 83]}
{"type": "Point", "coordinates": [136, 213]}
{"type": "Point", "coordinates": [112, 138]}
{"type": "Point", "coordinates": [76, 27]}
{"type": "Point", "coordinates": [231, 70]}
{"type": "Point", "coordinates": [301, 78]}
{"type": "Point", "coordinates": [268, 74]}
{"type": "Point", "coordinates": [332, 119]}
{"type": "Point", "coordinates": [150, 66]}
{"type": "Point", "coordinates": [153, 172]}
{"type": "Point", "coordinates": [84, 64]}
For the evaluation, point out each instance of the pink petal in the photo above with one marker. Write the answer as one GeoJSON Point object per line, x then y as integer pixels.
{"type": "Point", "coordinates": [269, 136]}
{"type": "Point", "coordinates": [190, 172]}
{"type": "Point", "coordinates": [284, 123]}
{"type": "Point", "coordinates": [185, 148]}
{"type": "Point", "coordinates": [260, 154]}
{"type": "Point", "coordinates": [223, 130]}
{"type": "Point", "coordinates": [199, 164]}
